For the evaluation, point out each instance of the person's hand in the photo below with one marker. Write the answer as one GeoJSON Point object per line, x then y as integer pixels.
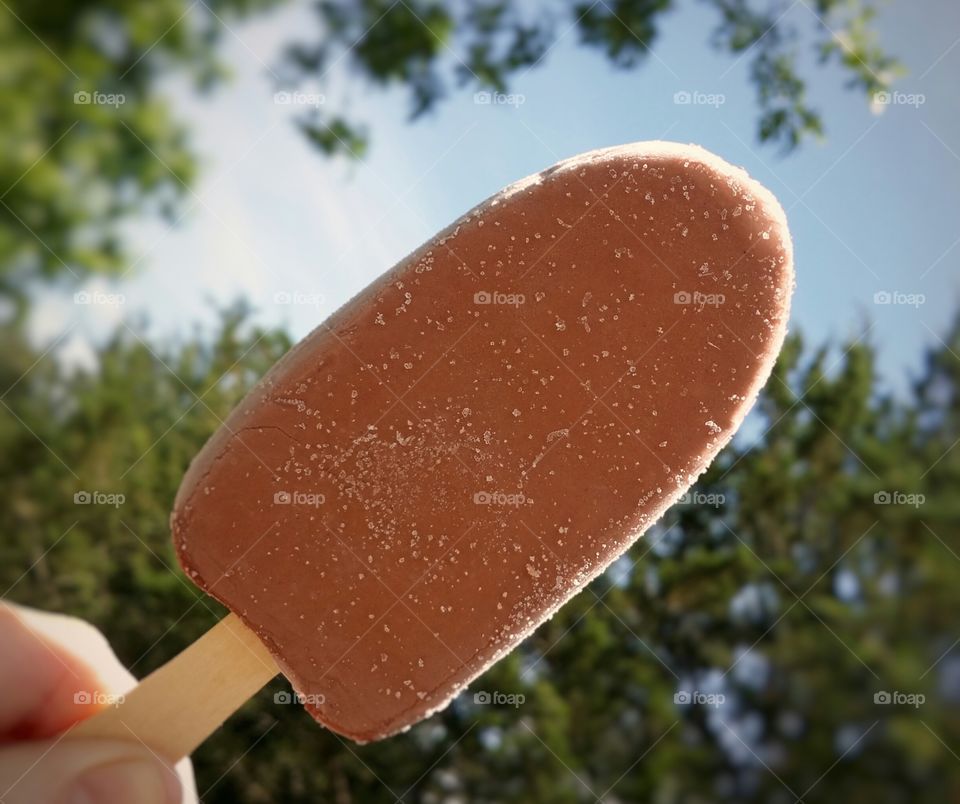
{"type": "Point", "coordinates": [54, 672]}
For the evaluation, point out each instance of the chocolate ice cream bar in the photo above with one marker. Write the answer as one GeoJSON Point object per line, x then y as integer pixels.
{"type": "Point", "coordinates": [456, 452]}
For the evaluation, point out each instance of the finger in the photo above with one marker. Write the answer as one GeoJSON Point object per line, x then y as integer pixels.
{"type": "Point", "coordinates": [74, 771]}
{"type": "Point", "coordinates": [43, 682]}
{"type": "Point", "coordinates": [55, 671]}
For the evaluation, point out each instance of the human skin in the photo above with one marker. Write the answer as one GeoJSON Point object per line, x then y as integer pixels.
{"type": "Point", "coordinates": [46, 688]}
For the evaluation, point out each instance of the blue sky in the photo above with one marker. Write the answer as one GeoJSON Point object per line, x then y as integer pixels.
{"type": "Point", "coordinates": [873, 209]}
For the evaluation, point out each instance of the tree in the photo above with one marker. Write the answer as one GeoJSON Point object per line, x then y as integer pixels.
{"type": "Point", "coordinates": [88, 141]}
{"type": "Point", "coordinates": [810, 571]}
{"type": "Point", "coordinates": [426, 46]}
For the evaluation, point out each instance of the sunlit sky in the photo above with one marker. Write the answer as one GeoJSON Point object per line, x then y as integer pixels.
{"type": "Point", "coordinates": [875, 208]}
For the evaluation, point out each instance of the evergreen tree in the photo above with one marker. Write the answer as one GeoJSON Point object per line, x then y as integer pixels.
{"type": "Point", "coordinates": [814, 570]}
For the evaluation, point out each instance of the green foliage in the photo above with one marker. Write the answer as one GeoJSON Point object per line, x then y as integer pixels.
{"type": "Point", "coordinates": [796, 596]}
{"type": "Point", "coordinates": [798, 572]}
{"type": "Point", "coordinates": [88, 140]}
{"type": "Point", "coordinates": [427, 46]}
{"type": "Point", "coordinates": [624, 30]}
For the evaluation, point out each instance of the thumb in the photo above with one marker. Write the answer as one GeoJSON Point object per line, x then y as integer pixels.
{"type": "Point", "coordinates": [75, 771]}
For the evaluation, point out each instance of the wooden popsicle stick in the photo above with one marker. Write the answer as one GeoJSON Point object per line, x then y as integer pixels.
{"type": "Point", "coordinates": [180, 704]}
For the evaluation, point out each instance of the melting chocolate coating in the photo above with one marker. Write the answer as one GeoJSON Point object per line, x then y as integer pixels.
{"type": "Point", "coordinates": [457, 451]}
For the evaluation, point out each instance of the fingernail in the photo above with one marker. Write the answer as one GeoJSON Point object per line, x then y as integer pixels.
{"type": "Point", "coordinates": [126, 781]}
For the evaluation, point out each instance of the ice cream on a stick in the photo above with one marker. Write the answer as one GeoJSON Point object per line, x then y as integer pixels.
{"type": "Point", "coordinates": [456, 452]}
